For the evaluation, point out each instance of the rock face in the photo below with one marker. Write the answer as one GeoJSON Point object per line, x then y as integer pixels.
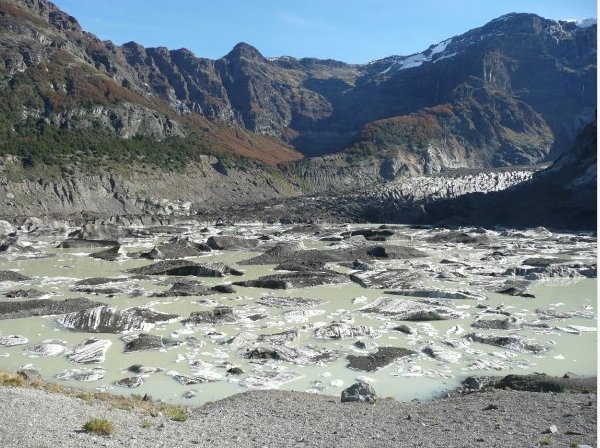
{"type": "Point", "coordinates": [562, 196]}
{"type": "Point", "coordinates": [108, 319]}
{"type": "Point", "coordinates": [176, 248]}
{"type": "Point", "coordinates": [359, 393]}
{"type": "Point", "coordinates": [474, 100]}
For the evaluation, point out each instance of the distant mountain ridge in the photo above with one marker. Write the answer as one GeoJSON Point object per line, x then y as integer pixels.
{"type": "Point", "coordinates": [515, 91]}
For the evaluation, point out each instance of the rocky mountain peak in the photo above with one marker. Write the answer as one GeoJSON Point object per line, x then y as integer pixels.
{"type": "Point", "coordinates": [246, 51]}
{"type": "Point", "coordinates": [49, 12]}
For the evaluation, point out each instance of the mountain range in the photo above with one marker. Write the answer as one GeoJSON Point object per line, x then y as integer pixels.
{"type": "Point", "coordinates": [516, 91]}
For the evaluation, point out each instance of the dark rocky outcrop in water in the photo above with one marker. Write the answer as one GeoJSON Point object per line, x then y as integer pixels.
{"type": "Point", "coordinates": [186, 268]}
{"type": "Point", "coordinates": [145, 341]}
{"type": "Point", "coordinates": [24, 294]}
{"type": "Point", "coordinates": [175, 248]}
{"type": "Point", "coordinates": [43, 307]}
{"type": "Point", "coordinates": [218, 315]}
{"type": "Point", "coordinates": [223, 242]}
{"type": "Point", "coordinates": [300, 279]}
{"type": "Point", "coordinates": [509, 341]}
{"type": "Point", "coordinates": [384, 356]}
{"type": "Point", "coordinates": [12, 276]}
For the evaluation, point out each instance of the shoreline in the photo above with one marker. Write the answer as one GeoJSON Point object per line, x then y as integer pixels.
{"type": "Point", "coordinates": [279, 418]}
{"type": "Point", "coordinates": [274, 418]}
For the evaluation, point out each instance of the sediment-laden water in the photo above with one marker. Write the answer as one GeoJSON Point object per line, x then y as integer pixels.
{"type": "Point", "coordinates": [408, 280]}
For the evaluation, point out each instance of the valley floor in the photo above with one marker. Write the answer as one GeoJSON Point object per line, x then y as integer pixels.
{"type": "Point", "coordinates": [34, 418]}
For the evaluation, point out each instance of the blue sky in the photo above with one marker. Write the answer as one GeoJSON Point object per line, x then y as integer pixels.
{"type": "Point", "coordinates": [348, 30]}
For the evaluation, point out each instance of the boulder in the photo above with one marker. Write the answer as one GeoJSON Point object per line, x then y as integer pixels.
{"type": "Point", "coordinates": [359, 393]}
{"type": "Point", "coordinates": [31, 375]}
{"type": "Point", "coordinates": [383, 357]}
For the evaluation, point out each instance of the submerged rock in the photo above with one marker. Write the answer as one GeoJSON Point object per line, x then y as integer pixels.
{"type": "Point", "coordinates": [90, 351]}
{"type": "Point", "coordinates": [108, 319]}
{"type": "Point", "coordinates": [510, 342]}
{"type": "Point", "coordinates": [301, 279]}
{"type": "Point", "coordinates": [186, 268]}
{"type": "Point", "coordinates": [341, 330]}
{"type": "Point", "coordinates": [410, 310]}
{"type": "Point", "coordinates": [42, 307]}
{"type": "Point", "coordinates": [383, 357]}
{"type": "Point", "coordinates": [359, 393]}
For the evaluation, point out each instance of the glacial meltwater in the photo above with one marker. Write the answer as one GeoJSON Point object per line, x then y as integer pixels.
{"type": "Point", "coordinates": [462, 302]}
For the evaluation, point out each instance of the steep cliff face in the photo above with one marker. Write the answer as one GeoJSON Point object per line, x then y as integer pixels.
{"type": "Point", "coordinates": [564, 195]}
{"type": "Point", "coordinates": [520, 87]}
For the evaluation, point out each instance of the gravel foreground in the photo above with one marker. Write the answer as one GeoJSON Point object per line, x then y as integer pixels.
{"type": "Point", "coordinates": [34, 418]}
